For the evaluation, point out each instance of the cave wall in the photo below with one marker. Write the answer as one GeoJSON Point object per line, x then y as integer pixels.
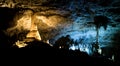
{"type": "Point", "coordinates": [59, 18]}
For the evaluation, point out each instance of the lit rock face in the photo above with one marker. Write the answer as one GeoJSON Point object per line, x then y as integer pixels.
{"type": "Point", "coordinates": [34, 32]}
{"type": "Point", "coordinates": [51, 25]}
{"type": "Point", "coordinates": [33, 29]}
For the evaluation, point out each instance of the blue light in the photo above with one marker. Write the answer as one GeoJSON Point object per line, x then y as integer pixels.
{"type": "Point", "coordinates": [73, 47]}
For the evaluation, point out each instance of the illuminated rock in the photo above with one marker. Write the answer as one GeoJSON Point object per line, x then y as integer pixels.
{"type": "Point", "coordinates": [20, 44]}
{"type": "Point", "coordinates": [34, 33]}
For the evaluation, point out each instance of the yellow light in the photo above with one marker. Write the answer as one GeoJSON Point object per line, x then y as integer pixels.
{"type": "Point", "coordinates": [25, 21]}
{"type": "Point", "coordinates": [20, 44]}
{"type": "Point", "coordinates": [34, 34]}
{"type": "Point", "coordinates": [46, 21]}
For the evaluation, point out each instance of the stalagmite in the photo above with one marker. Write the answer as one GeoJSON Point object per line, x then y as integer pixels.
{"type": "Point", "coordinates": [34, 33]}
